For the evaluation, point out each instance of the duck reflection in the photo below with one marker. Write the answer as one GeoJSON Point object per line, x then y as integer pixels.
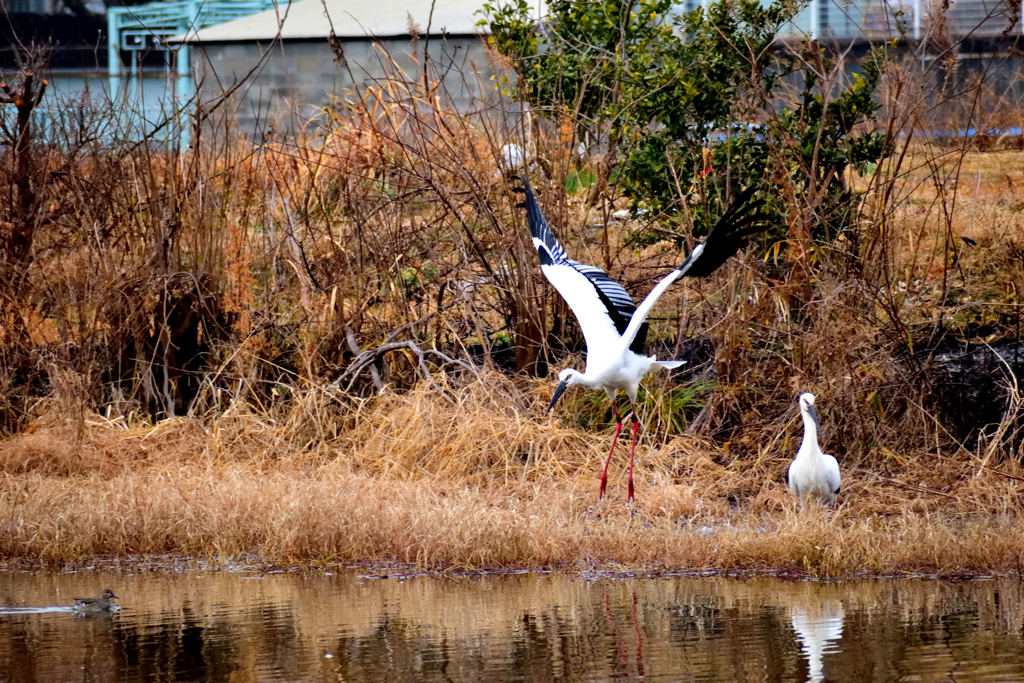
{"type": "Point", "coordinates": [817, 626]}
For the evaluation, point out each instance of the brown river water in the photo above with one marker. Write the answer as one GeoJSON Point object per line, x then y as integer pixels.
{"type": "Point", "coordinates": [229, 625]}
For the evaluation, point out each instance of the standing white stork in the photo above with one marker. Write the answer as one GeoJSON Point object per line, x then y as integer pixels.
{"type": "Point", "coordinates": [813, 473]}
{"type": "Point", "coordinates": [614, 328]}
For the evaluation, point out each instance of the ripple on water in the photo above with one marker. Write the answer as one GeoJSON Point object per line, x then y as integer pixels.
{"type": "Point", "coordinates": [525, 627]}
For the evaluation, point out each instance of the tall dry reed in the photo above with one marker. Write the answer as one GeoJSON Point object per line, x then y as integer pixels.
{"type": "Point", "coordinates": [323, 346]}
{"type": "Point", "coordinates": [444, 483]}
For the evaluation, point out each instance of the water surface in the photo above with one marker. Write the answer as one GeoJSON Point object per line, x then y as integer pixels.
{"type": "Point", "coordinates": [221, 625]}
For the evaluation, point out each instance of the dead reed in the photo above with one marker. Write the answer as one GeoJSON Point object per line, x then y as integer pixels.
{"type": "Point", "coordinates": [443, 478]}
{"type": "Point", "coordinates": [322, 347]}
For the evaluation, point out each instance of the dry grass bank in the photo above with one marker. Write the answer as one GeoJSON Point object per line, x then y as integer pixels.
{"type": "Point", "coordinates": [334, 334]}
{"type": "Point", "coordinates": [469, 476]}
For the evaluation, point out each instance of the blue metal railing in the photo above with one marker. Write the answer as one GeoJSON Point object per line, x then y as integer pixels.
{"type": "Point", "coordinates": [148, 27]}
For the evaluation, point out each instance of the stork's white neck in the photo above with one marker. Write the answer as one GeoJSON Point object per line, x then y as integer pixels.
{"type": "Point", "coordinates": [809, 447]}
{"type": "Point", "coordinates": [588, 379]}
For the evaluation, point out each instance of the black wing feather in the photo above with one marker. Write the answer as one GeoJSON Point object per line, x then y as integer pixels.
{"type": "Point", "coordinates": [742, 219]}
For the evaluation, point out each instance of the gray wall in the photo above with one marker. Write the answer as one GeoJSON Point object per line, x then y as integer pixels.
{"type": "Point", "coordinates": [299, 78]}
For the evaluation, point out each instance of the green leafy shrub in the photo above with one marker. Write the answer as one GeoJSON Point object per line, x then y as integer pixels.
{"type": "Point", "coordinates": [685, 105]}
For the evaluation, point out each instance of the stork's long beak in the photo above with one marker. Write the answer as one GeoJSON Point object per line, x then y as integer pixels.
{"type": "Point", "coordinates": [814, 416]}
{"type": "Point", "coordinates": [559, 390]}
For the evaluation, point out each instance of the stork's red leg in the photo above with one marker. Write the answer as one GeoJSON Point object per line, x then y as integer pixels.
{"type": "Point", "coordinates": [632, 452]}
{"type": "Point", "coordinates": [604, 472]}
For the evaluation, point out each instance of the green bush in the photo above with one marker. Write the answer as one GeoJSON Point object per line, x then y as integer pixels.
{"type": "Point", "coordinates": [683, 102]}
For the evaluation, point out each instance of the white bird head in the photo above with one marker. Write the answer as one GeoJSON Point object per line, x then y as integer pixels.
{"type": "Point", "coordinates": [512, 155]}
{"type": "Point", "coordinates": [566, 378]}
{"type": "Point", "coordinates": [807, 407]}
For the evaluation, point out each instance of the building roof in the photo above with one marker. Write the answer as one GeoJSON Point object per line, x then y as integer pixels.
{"type": "Point", "coordinates": [306, 19]}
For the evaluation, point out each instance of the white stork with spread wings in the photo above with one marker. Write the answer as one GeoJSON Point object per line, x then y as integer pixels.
{"type": "Point", "coordinates": [614, 328]}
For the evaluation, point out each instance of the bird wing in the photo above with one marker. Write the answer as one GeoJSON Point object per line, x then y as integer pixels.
{"type": "Point", "coordinates": [601, 305]}
{"type": "Point", "coordinates": [740, 220]}
{"type": "Point", "coordinates": [832, 477]}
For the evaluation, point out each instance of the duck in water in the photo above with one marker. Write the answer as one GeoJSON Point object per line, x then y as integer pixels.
{"type": "Point", "coordinates": [96, 605]}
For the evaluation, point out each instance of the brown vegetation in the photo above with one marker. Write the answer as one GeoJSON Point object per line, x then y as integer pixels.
{"type": "Point", "coordinates": [321, 348]}
{"type": "Point", "coordinates": [446, 477]}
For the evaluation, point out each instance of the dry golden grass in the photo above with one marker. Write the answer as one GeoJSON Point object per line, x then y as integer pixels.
{"type": "Point", "coordinates": [470, 476]}
{"type": "Point", "coordinates": [277, 296]}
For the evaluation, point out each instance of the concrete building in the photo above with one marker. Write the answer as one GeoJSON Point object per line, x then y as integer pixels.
{"type": "Point", "coordinates": [281, 69]}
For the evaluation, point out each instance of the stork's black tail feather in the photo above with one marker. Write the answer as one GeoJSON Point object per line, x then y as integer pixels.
{"type": "Point", "coordinates": [742, 219]}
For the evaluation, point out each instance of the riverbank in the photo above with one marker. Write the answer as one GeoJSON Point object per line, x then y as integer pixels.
{"type": "Point", "coordinates": [443, 481]}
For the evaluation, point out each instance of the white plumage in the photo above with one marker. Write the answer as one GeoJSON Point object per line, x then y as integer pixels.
{"type": "Point", "coordinates": [614, 328]}
{"type": "Point", "coordinates": [818, 628]}
{"type": "Point", "coordinates": [813, 474]}
{"type": "Point", "coordinates": [512, 155]}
